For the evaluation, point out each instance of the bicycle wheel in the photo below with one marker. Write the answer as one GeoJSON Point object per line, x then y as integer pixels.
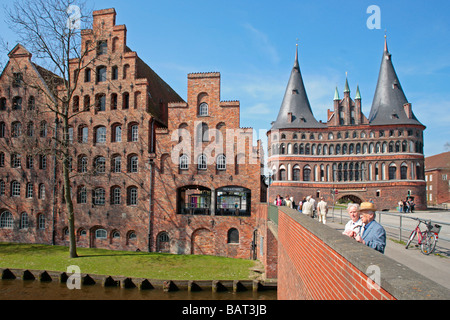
{"type": "Point", "coordinates": [428, 243]}
{"type": "Point", "coordinates": [411, 237]}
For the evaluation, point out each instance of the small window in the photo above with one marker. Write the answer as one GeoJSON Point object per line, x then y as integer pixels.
{"type": "Point", "coordinates": [203, 109]}
{"type": "Point", "coordinates": [17, 103]}
{"type": "Point", "coordinates": [114, 73]}
{"type": "Point", "coordinates": [221, 162]}
{"type": "Point", "coordinates": [17, 80]}
{"type": "Point", "coordinates": [102, 47]}
{"type": "Point", "coordinates": [133, 164]}
{"type": "Point", "coordinates": [87, 75]}
{"type": "Point", "coordinates": [100, 135]}
{"type": "Point", "coordinates": [101, 74]}
{"type": "Point", "coordinates": [233, 236]}
{"type": "Point", "coordinates": [184, 162]}
{"type": "Point", "coordinates": [202, 162]}
{"type": "Point", "coordinates": [100, 103]}
{"type": "Point", "coordinates": [81, 195]}
{"type": "Point", "coordinates": [132, 196]}
{"type": "Point", "coordinates": [99, 196]}
{"type": "Point", "coordinates": [23, 221]}
{"type": "Point", "coordinates": [41, 222]}
{"type": "Point", "coordinates": [6, 220]}
{"type": "Point", "coordinates": [100, 234]}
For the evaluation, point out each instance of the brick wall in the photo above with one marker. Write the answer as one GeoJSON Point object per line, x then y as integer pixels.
{"type": "Point", "coordinates": [316, 262]}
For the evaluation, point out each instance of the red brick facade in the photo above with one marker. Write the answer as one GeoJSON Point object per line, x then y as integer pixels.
{"type": "Point", "coordinates": [437, 176]}
{"type": "Point", "coordinates": [192, 209]}
{"type": "Point", "coordinates": [26, 170]}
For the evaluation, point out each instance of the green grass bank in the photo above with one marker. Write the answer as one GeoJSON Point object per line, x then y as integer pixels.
{"type": "Point", "coordinates": [125, 263]}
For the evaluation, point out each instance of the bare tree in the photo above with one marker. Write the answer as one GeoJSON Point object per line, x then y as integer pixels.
{"type": "Point", "coordinates": [51, 31]}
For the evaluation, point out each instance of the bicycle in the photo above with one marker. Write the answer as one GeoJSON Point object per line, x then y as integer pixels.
{"type": "Point", "coordinates": [426, 239]}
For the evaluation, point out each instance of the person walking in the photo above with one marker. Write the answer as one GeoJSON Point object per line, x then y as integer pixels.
{"type": "Point", "coordinates": [307, 207]}
{"type": "Point", "coordinates": [313, 203]}
{"type": "Point", "coordinates": [322, 210]}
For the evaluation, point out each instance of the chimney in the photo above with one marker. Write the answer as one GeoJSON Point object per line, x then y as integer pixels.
{"type": "Point", "coordinates": [408, 110]}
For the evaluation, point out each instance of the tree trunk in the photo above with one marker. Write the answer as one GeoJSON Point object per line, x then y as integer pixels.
{"type": "Point", "coordinates": [67, 189]}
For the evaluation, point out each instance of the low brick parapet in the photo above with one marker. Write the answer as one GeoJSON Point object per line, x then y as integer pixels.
{"type": "Point", "coordinates": [317, 262]}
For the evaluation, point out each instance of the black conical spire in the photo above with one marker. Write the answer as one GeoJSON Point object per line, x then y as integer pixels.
{"type": "Point", "coordinates": [295, 110]}
{"type": "Point", "coordinates": [389, 99]}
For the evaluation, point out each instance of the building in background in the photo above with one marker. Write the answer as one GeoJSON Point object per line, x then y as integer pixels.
{"type": "Point", "coordinates": [349, 157]}
{"type": "Point", "coordinates": [437, 176]}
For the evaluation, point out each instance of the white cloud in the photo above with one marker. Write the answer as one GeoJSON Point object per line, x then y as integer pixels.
{"type": "Point", "coordinates": [263, 42]}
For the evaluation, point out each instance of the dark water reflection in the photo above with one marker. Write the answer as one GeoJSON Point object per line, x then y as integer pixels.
{"type": "Point", "coordinates": [35, 290]}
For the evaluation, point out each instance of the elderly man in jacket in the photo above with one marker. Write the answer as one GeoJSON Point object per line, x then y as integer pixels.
{"type": "Point", "coordinates": [373, 234]}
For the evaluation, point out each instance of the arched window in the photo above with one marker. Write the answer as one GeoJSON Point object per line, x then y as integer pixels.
{"type": "Point", "coordinates": [133, 132]}
{"type": "Point", "coordinates": [116, 164]}
{"type": "Point", "coordinates": [404, 171]}
{"type": "Point", "coordinates": [101, 74]}
{"type": "Point", "coordinates": [184, 162]}
{"type": "Point", "coordinates": [132, 196]}
{"type": "Point", "coordinates": [41, 192]}
{"type": "Point", "coordinates": [116, 195]}
{"type": "Point", "coordinates": [3, 104]}
{"type": "Point", "coordinates": [17, 103]}
{"type": "Point", "coordinates": [81, 195]}
{"type": "Point", "coordinates": [306, 173]}
{"type": "Point", "coordinates": [99, 196]}
{"type": "Point", "coordinates": [125, 100]}
{"type": "Point", "coordinates": [41, 221]}
{"type": "Point", "coordinates": [15, 189]}
{"type": "Point", "coordinates": [16, 129]}
{"type": "Point", "coordinates": [100, 234]}
{"type": "Point", "coordinates": [23, 221]}
{"type": "Point", "coordinates": [133, 163]}
{"type": "Point", "coordinates": [203, 109]}
{"type": "Point", "coordinates": [221, 162]}
{"type": "Point", "coordinates": [202, 165]}
{"type": "Point", "coordinates": [282, 173]}
{"type": "Point", "coordinates": [392, 171]}
{"type": "Point", "coordinates": [100, 102]}
{"type": "Point", "coordinates": [114, 73]}
{"type": "Point", "coordinates": [100, 164]}
{"type": "Point", "coordinates": [100, 134]}
{"type": "Point", "coordinates": [282, 149]}
{"type": "Point", "coordinates": [296, 173]}
{"type": "Point", "coordinates": [31, 103]}
{"type": "Point", "coordinates": [6, 220]}
{"type": "Point", "coordinates": [116, 134]}
{"type": "Point", "coordinates": [233, 236]}
{"type": "Point", "coordinates": [43, 129]}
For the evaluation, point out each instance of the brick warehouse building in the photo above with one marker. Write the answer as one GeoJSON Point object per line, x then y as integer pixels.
{"type": "Point", "coordinates": [26, 170]}
{"type": "Point", "coordinates": [350, 156]}
{"type": "Point", "coordinates": [128, 193]}
{"type": "Point", "coordinates": [208, 176]}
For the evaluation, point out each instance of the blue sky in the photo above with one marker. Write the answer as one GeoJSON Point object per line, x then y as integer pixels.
{"type": "Point", "coordinates": [252, 44]}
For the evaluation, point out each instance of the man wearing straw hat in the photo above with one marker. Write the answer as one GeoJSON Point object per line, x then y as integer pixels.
{"type": "Point", "coordinates": [373, 234]}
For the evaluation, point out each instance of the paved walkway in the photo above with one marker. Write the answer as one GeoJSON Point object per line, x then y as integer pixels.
{"type": "Point", "coordinates": [435, 266]}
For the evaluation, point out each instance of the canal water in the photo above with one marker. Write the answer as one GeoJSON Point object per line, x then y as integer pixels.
{"type": "Point", "coordinates": [36, 290]}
